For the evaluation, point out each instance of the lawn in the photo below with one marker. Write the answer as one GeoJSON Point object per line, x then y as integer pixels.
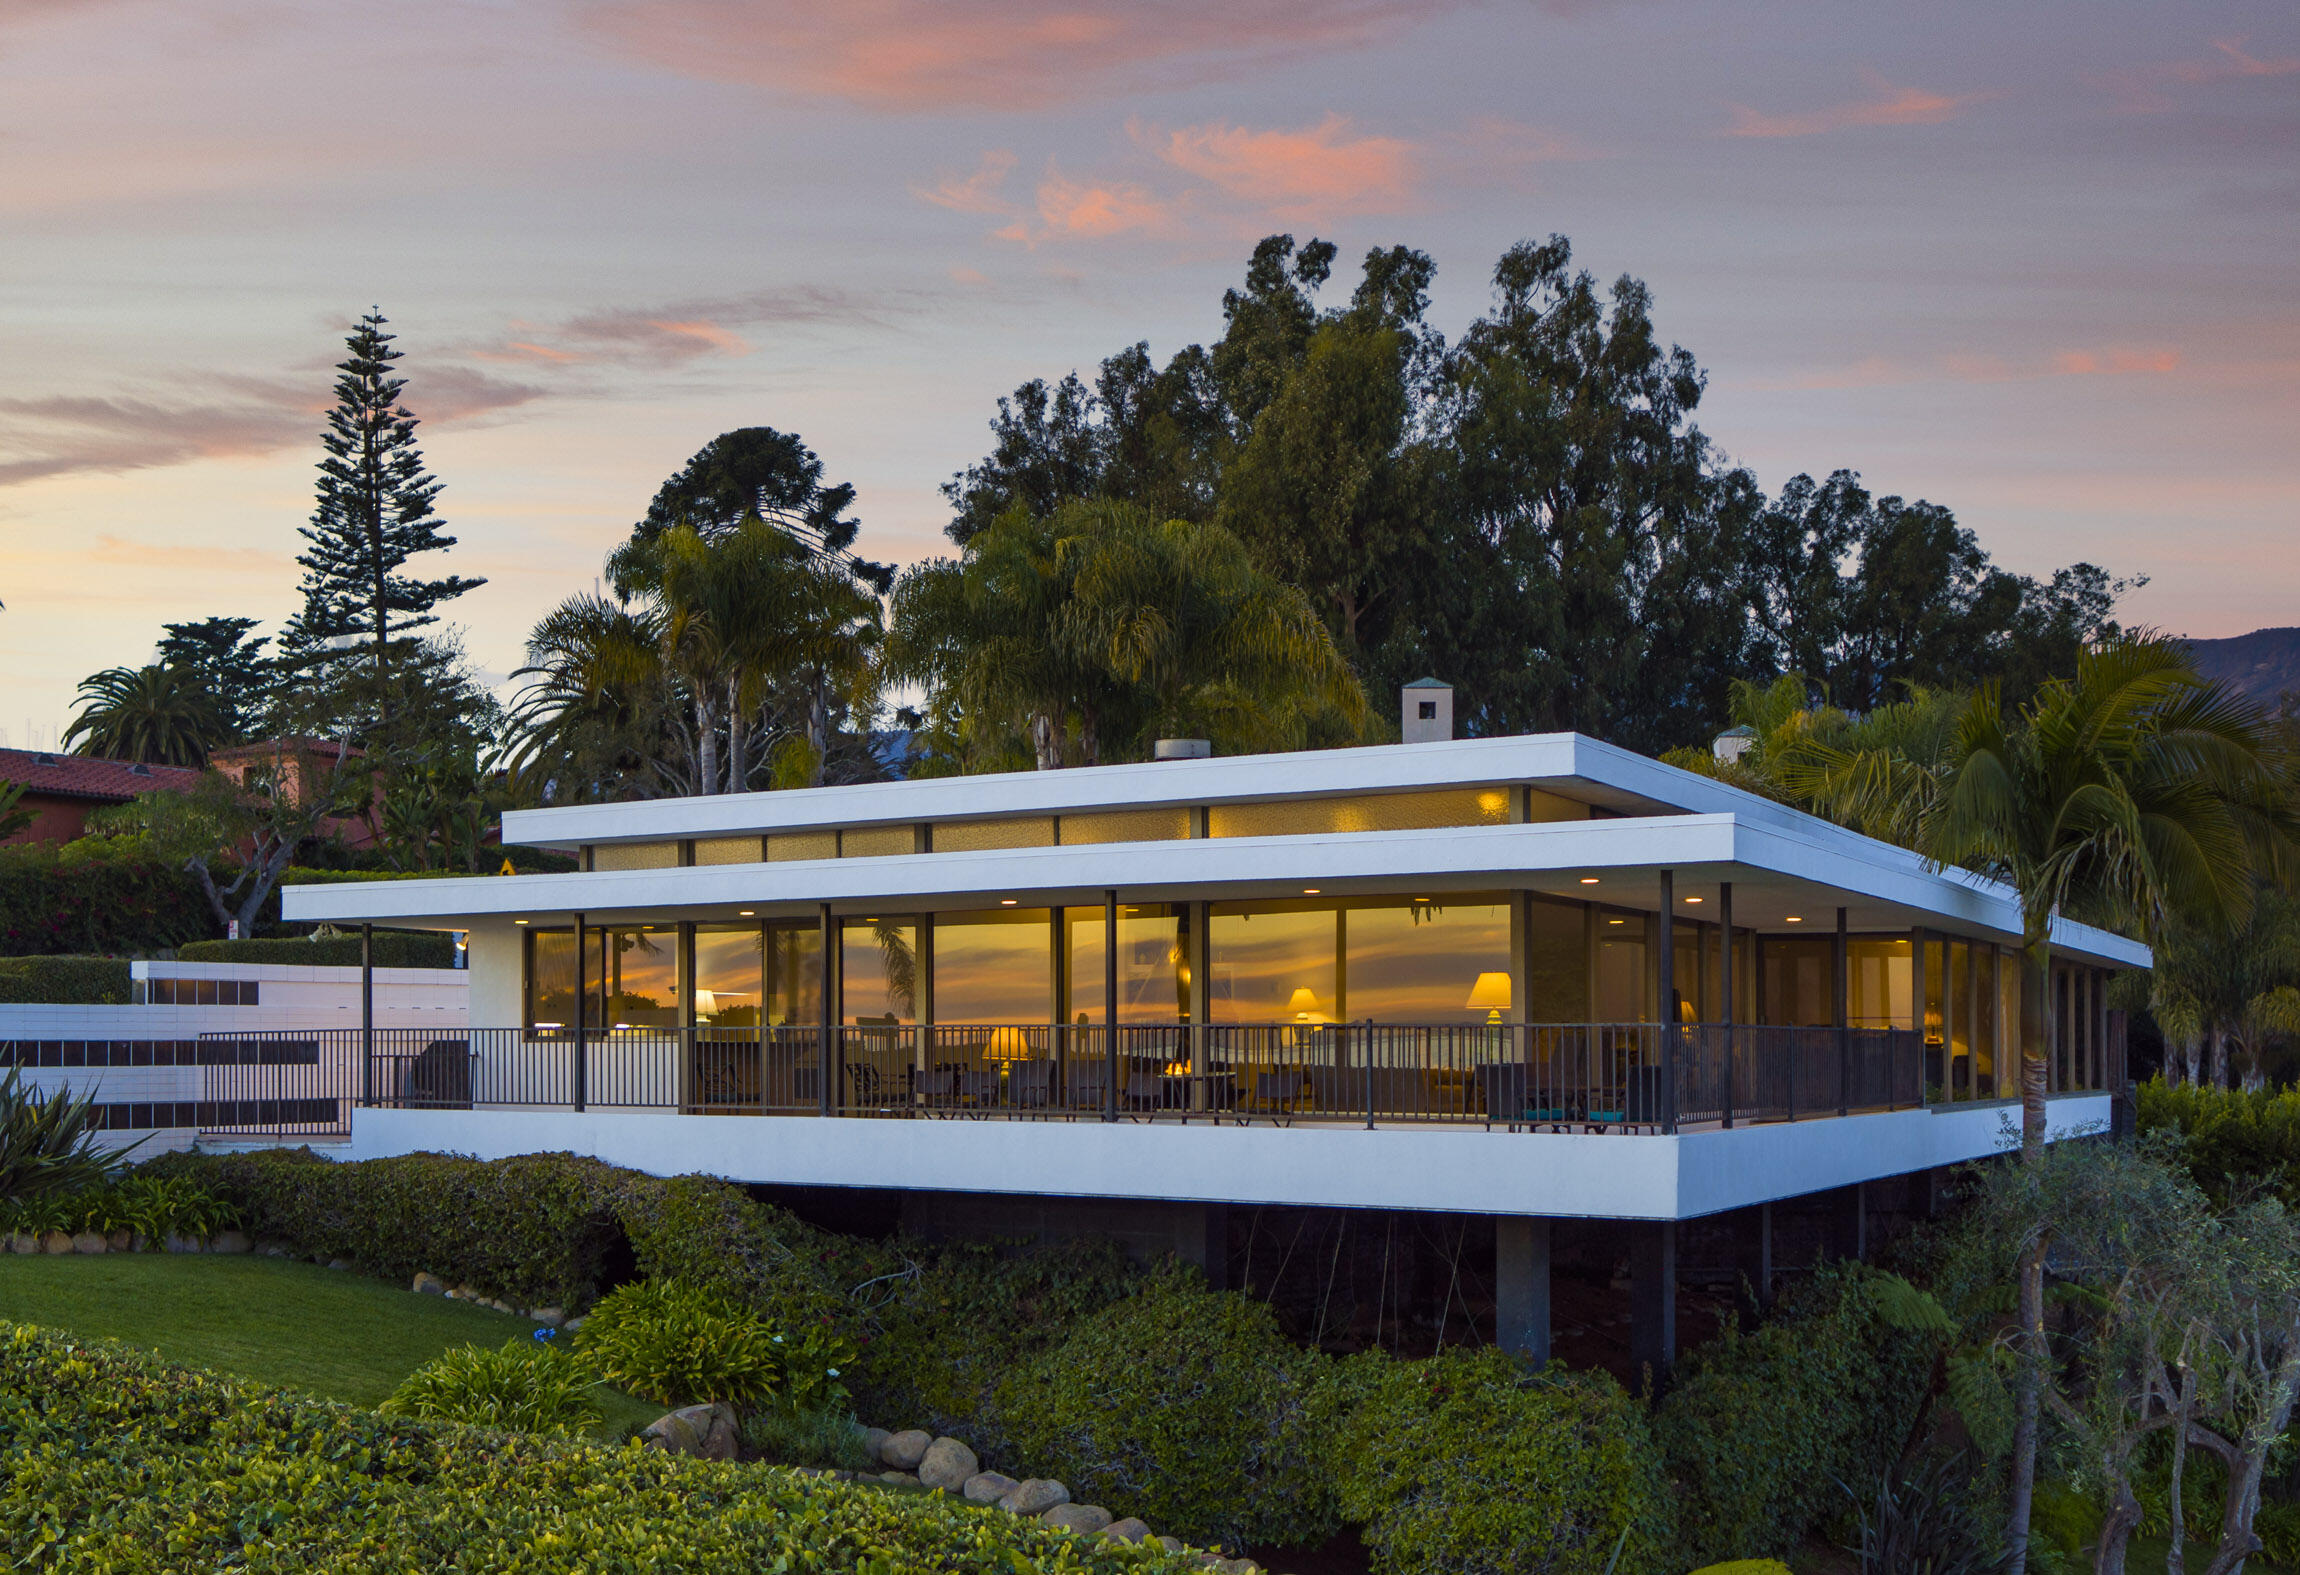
{"type": "Point", "coordinates": [322, 1331]}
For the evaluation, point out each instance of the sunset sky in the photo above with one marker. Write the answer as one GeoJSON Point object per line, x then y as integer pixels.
{"type": "Point", "coordinates": [2040, 262]}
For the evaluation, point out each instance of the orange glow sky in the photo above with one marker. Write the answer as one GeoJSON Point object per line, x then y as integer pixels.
{"type": "Point", "coordinates": [2038, 263]}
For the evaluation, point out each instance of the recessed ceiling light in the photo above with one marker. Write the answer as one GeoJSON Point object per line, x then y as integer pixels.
{"type": "Point", "coordinates": [1693, 899]}
{"type": "Point", "coordinates": [744, 913]}
{"type": "Point", "coordinates": [1588, 880]}
{"type": "Point", "coordinates": [1309, 891]}
{"type": "Point", "coordinates": [1617, 921]}
{"type": "Point", "coordinates": [1006, 902]}
{"type": "Point", "coordinates": [1793, 919]}
{"type": "Point", "coordinates": [518, 921]}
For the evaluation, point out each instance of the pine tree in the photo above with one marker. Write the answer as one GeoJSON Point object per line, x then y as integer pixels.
{"type": "Point", "coordinates": [357, 634]}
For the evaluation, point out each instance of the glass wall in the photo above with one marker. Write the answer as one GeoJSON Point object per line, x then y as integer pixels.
{"type": "Point", "coordinates": [794, 975]}
{"type": "Point", "coordinates": [1795, 981]}
{"type": "Point", "coordinates": [1399, 960]}
{"type": "Point", "coordinates": [640, 977]}
{"type": "Point", "coordinates": [551, 979]}
{"type": "Point", "coordinates": [729, 973]}
{"type": "Point", "coordinates": [1556, 962]}
{"type": "Point", "coordinates": [1879, 976]}
{"type": "Point", "coordinates": [1621, 970]}
{"type": "Point", "coordinates": [878, 970]}
{"type": "Point", "coordinates": [995, 966]}
{"type": "Point", "coordinates": [1153, 963]}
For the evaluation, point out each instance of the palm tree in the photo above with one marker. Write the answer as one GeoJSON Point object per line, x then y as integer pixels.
{"type": "Point", "coordinates": [2134, 792]}
{"type": "Point", "coordinates": [156, 714]}
{"type": "Point", "coordinates": [2230, 991]}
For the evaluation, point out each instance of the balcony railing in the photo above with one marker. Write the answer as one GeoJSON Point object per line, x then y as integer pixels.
{"type": "Point", "coordinates": [1577, 1077]}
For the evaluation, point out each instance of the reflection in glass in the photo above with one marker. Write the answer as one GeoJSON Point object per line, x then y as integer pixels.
{"type": "Point", "coordinates": [729, 969]}
{"type": "Point", "coordinates": [1153, 962]}
{"type": "Point", "coordinates": [1361, 812]}
{"type": "Point", "coordinates": [1796, 980]}
{"type": "Point", "coordinates": [995, 966]}
{"type": "Point", "coordinates": [640, 977]}
{"type": "Point", "coordinates": [794, 975]}
{"type": "Point", "coordinates": [1275, 962]}
{"type": "Point", "coordinates": [1623, 969]}
{"type": "Point", "coordinates": [551, 979]}
{"type": "Point", "coordinates": [1396, 960]}
{"type": "Point", "coordinates": [1878, 982]}
{"type": "Point", "coordinates": [1986, 961]}
{"type": "Point", "coordinates": [878, 970]}
{"type": "Point", "coordinates": [1960, 1034]}
{"type": "Point", "coordinates": [1556, 962]}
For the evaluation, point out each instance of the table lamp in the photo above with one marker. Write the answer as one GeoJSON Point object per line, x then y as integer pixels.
{"type": "Point", "coordinates": [1007, 1044]}
{"type": "Point", "coordinates": [1491, 992]}
{"type": "Point", "coordinates": [706, 1004]}
{"type": "Point", "coordinates": [1304, 1005]}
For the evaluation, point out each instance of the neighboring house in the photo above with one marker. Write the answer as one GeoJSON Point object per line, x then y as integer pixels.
{"type": "Point", "coordinates": [300, 765]}
{"type": "Point", "coordinates": [243, 1052]}
{"type": "Point", "coordinates": [60, 790]}
{"type": "Point", "coordinates": [1535, 981]}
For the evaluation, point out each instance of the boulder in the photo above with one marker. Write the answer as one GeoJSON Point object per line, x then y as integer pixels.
{"type": "Point", "coordinates": [1035, 1496]}
{"type": "Point", "coordinates": [90, 1241]}
{"type": "Point", "coordinates": [987, 1487]}
{"type": "Point", "coordinates": [233, 1241]}
{"type": "Point", "coordinates": [904, 1450]}
{"type": "Point", "coordinates": [947, 1464]}
{"type": "Point", "coordinates": [549, 1317]}
{"type": "Point", "coordinates": [903, 1478]}
{"type": "Point", "coordinates": [1127, 1530]}
{"type": "Point", "coordinates": [121, 1241]}
{"type": "Point", "coordinates": [428, 1285]}
{"type": "Point", "coordinates": [1085, 1519]}
{"type": "Point", "coordinates": [178, 1242]}
{"type": "Point", "coordinates": [338, 1265]}
{"type": "Point", "coordinates": [56, 1241]}
{"type": "Point", "coordinates": [273, 1249]}
{"type": "Point", "coordinates": [1172, 1544]}
{"type": "Point", "coordinates": [23, 1241]}
{"type": "Point", "coordinates": [874, 1440]}
{"type": "Point", "coordinates": [709, 1431]}
{"type": "Point", "coordinates": [573, 1326]}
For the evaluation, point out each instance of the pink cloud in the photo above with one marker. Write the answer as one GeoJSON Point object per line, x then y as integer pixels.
{"type": "Point", "coordinates": [2142, 88]}
{"type": "Point", "coordinates": [1093, 210]}
{"type": "Point", "coordinates": [2233, 65]}
{"type": "Point", "coordinates": [670, 335]}
{"type": "Point", "coordinates": [990, 54]}
{"type": "Point", "coordinates": [1304, 175]}
{"type": "Point", "coordinates": [975, 193]}
{"type": "Point", "coordinates": [1887, 106]}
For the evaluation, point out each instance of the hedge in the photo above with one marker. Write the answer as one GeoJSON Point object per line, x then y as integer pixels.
{"type": "Point", "coordinates": [1186, 1406]}
{"type": "Point", "coordinates": [2231, 1140]}
{"type": "Point", "coordinates": [393, 949]}
{"type": "Point", "coordinates": [65, 981]}
{"type": "Point", "coordinates": [113, 1460]}
{"type": "Point", "coordinates": [1760, 1429]}
{"type": "Point", "coordinates": [1471, 1463]}
{"type": "Point", "coordinates": [53, 902]}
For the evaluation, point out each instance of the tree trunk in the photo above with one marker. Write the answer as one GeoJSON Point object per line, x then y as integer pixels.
{"type": "Point", "coordinates": [2116, 1533]}
{"type": "Point", "coordinates": [706, 743]}
{"type": "Point", "coordinates": [819, 727]}
{"type": "Point", "coordinates": [2216, 1064]}
{"type": "Point", "coordinates": [2026, 1396]}
{"type": "Point", "coordinates": [2036, 1050]}
{"type": "Point", "coordinates": [738, 740]}
{"type": "Point", "coordinates": [2176, 1554]}
{"type": "Point", "coordinates": [1046, 742]}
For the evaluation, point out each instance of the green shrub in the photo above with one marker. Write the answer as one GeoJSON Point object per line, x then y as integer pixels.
{"type": "Point", "coordinates": [708, 1233]}
{"type": "Point", "coordinates": [1470, 1463]}
{"type": "Point", "coordinates": [157, 1207]}
{"type": "Point", "coordinates": [527, 1384]}
{"type": "Point", "coordinates": [2232, 1141]}
{"type": "Point", "coordinates": [393, 949]}
{"type": "Point", "coordinates": [65, 981]}
{"type": "Point", "coordinates": [830, 1439]}
{"type": "Point", "coordinates": [81, 903]}
{"type": "Point", "coordinates": [1185, 1407]}
{"type": "Point", "coordinates": [111, 1460]}
{"type": "Point", "coordinates": [1761, 1428]}
{"type": "Point", "coordinates": [681, 1345]}
{"type": "Point", "coordinates": [1013, 1302]}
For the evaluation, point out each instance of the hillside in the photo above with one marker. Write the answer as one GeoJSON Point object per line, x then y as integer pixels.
{"type": "Point", "coordinates": [2265, 664]}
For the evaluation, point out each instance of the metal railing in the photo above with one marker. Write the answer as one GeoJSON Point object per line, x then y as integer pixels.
{"type": "Point", "coordinates": [1590, 1077]}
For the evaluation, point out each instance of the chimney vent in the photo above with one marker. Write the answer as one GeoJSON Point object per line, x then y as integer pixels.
{"type": "Point", "coordinates": [1181, 749]}
{"type": "Point", "coordinates": [1425, 711]}
{"type": "Point", "coordinates": [1729, 746]}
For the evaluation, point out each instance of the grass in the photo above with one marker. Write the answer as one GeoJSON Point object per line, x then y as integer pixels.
{"type": "Point", "coordinates": [322, 1331]}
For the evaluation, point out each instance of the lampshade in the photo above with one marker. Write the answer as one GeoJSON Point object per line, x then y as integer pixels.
{"type": "Point", "coordinates": [1304, 1003]}
{"type": "Point", "coordinates": [706, 1003]}
{"type": "Point", "coordinates": [1490, 992]}
{"type": "Point", "coordinates": [1007, 1044]}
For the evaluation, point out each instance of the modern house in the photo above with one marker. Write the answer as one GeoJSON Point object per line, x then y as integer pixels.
{"type": "Point", "coordinates": [1525, 979]}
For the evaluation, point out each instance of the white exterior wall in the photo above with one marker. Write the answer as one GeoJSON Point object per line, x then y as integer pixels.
{"type": "Point", "coordinates": [1601, 1176]}
{"type": "Point", "coordinates": [496, 964]}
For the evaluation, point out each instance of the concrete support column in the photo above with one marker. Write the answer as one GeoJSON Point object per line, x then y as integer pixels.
{"type": "Point", "coordinates": [1755, 1266]}
{"type": "Point", "coordinates": [1851, 1224]}
{"type": "Point", "coordinates": [1653, 1296]}
{"type": "Point", "coordinates": [1521, 1286]}
{"type": "Point", "coordinates": [1202, 1237]}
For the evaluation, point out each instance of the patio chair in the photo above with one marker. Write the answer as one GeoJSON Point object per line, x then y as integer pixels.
{"type": "Point", "coordinates": [1279, 1093]}
{"type": "Point", "coordinates": [1030, 1085]}
{"type": "Point", "coordinates": [938, 1091]}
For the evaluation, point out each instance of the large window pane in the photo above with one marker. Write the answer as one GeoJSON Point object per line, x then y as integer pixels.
{"type": "Point", "coordinates": [1275, 962]}
{"type": "Point", "coordinates": [1623, 968]}
{"type": "Point", "coordinates": [1796, 981]}
{"type": "Point", "coordinates": [1361, 812]}
{"type": "Point", "coordinates": [1441, 961]}
{"type": "Point", "coordinates": [878, 970]}
{"type": "Point", "coordinates": [995, 966]}
{"type": "Point", "coordinates": [1125, 825]}
{"type": "Point", "coordinates": [551, 980]}
{"type": "Point", "coordinates": [794, 975]}
{"type": "Point", "coordinates": [1556, 962]}
{"type": "Point", "coordinates": [641, 977]}
{"type": "Point", "coordinates": [1879, 978]}
{"type": "Point", "coordinates": [729, 970]}
{"type": "Point", "coordinates": [1153, 962]}
{"type": "Point", "coordinates": [982, 836]}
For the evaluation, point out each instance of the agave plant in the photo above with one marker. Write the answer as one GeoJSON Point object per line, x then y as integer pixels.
{"type": "Point", "coordinates": [50, 1145]}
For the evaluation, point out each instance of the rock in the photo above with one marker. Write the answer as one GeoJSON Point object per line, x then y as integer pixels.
{"type": "Point", "coordinates": [573, 1326]}
{"type": "Point", "coordinates": [947, 1464]}
{"type": "Point", "coordinates": [177, 1242]}
{"type": "Point", "coordinates": [90, 1241]}
{"type": "Point", "coordinates": [429, 1285]}
{"type": "Point", "coordinates": [1236, 1567]}
{"type": "Point", "coordinates": [121, 1241]}
{"type": "Point", "coordinates": [1085, 1519]}
{"type": "Point", "coordinates": [1172, 1544]}
{"type": "Point", "coordinates": [710, 1431]}
{"type": "Point", "coordinates": [904, 1450]}
{"type": "Point", "coordinates": [1127, 1530]}
{"type": "Point", "coordinates": [549, 1317]}
{"type": "Point", "coordinates": [874, 1440]}
{"type": "Point", "coordinates": [987, 1487]}
{"type": "Point", "coordinates": [1035, 1496]}
{"type": "Point", "coordinates": [23, 1241]}
{"type": "Point", "coordinates": [56, 1241]}
{"type": "Point", "coordinates": [903, 1478]}
{"type": "Point", "coordinates": [273, 1249]}
{"type": "Point", "coordinates": [338, 1265]}
{"type": "Point", "coordinates": [464, 1293]}
{"type": "Point", "coordinates": [233, 1241]}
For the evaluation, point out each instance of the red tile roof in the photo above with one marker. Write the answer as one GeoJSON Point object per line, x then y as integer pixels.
{"type": "Point", "coordinates": [84, 776]}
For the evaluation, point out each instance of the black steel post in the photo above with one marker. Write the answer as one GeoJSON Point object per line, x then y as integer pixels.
{"type": "Point", "coordinates": [367, 1014]}
{"type": "Point", "coordinates": [1668, 1003]}
{"type": "Point", "coordinates": [1844, 1038]}
{"type": "Point", "coordinates": [582, 1009]}
{"type": "Point", "coordinates": [1110, 1006]}
{"type": "Point", "coordinates": [1725, 990]}
{"type": "Point", "coordinates": [825, 1098]}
